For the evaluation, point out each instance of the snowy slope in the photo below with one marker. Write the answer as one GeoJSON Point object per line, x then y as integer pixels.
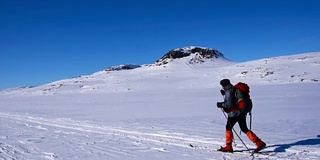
{"type": "Point", "coordinates": [164, 112]}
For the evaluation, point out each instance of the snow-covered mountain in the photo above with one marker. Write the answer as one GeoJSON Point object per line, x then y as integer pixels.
{"type": "Point", "coordinates": [165, 110]}
{"type": "Point", "coordinates": [191, 55]}
{"type": "Point", "coordinates": [189, 64]}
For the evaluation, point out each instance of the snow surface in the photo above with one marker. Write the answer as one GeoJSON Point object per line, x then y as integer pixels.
{"type": "Point", "coordinates": [164, 112]}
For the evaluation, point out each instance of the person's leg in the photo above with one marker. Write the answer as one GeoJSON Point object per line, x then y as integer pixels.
{"type": "Point", "coordinates": [231, 121]}
{"type": "Point", "coordinates": [229, 135]}
{"type": "Point", "coordinates": [255, 139]}
{"type": "Point", "coordinates": [243, 123]}
{"type": "Point", "coordinates": [252, 136]}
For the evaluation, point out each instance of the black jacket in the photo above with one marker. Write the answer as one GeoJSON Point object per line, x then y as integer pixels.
{"type": "Point", "coordinates": [230, 101]}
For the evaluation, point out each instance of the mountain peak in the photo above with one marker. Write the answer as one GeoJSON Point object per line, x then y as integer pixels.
{"type": "Point", "coordinates": [199, 54]}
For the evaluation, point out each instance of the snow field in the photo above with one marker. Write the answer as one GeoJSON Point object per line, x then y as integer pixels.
{"type": "Point", "coordinates": [163, 113]}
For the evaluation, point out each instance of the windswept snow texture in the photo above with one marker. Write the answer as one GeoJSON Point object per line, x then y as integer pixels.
{"type": "Point", "coordinates": [165, 112]}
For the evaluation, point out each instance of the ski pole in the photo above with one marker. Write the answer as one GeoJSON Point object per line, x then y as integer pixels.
{"type": "Point", "coordinates": [250, 114]}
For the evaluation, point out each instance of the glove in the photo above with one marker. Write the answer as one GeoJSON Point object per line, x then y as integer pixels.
{"type": "Point", "coordinates": [222, 92]}
{"type": "Point", "coordinates": [219, 105]}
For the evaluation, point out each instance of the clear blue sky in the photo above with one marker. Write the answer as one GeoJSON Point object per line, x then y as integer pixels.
{"type": "Point", "coordinates": [46, 40]}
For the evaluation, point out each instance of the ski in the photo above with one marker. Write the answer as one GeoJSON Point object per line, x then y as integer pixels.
{"type": "Point", "coordinates": [250, 152]}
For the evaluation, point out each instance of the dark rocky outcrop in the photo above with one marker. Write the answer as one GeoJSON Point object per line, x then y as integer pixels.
{"type": "Point", "coordinates": [122, 67]}
{"type": "Point", "coordinates": [201, 54]}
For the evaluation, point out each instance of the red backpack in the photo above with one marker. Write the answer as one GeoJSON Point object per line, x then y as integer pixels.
{"type": "Point", "coordinates": [244, 105]}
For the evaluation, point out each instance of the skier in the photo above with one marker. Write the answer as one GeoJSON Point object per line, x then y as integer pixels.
{"type": "Point", "coordinates": [235, 115]}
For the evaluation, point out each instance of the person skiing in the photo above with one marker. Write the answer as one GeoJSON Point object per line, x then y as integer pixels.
{"type": "Point", "coordinates": [232, 98]}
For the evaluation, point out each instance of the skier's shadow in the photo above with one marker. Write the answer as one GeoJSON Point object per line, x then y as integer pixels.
{"type": "Point", "coordinates": [283, 147]}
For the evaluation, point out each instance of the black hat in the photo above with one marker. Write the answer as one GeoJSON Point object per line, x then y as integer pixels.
{"type": "Point", "coordinates": [225, 82]}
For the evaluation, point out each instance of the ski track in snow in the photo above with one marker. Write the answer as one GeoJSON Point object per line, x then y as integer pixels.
{"type": "Point", "coordinates": [44, 138]}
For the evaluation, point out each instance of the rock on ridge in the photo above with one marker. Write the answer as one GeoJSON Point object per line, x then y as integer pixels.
{"type": "Point", "coordinates": [122, 67]}
{"type": "Point", "coordinates": [199, 54]}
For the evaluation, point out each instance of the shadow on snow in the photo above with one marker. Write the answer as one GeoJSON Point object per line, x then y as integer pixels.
{"type": "Point", "coordinates": [283, 147]}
